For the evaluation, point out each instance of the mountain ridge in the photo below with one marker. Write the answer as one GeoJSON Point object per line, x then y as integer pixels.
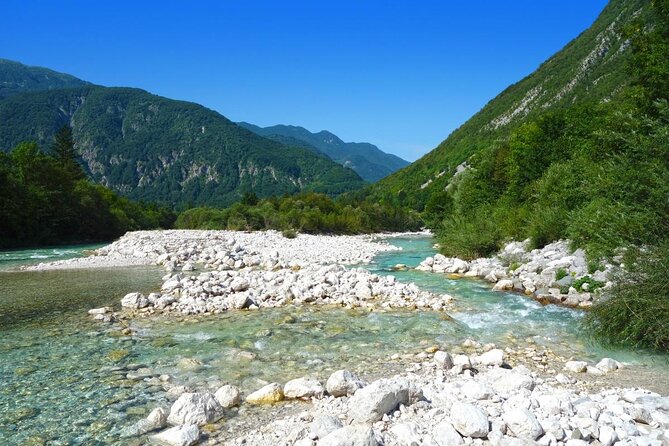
{"type": "Point", "coordinates": [370, 162]}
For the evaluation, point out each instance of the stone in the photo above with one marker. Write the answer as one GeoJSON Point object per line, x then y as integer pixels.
{"type": "Point", "coordinates": [157, 419]}
{"type": "Point", "coordinates": [322, 425]}
{"type": "Point", "coordinates": [370, 403]}
{"type": "Point", "coordinates": [608, 365]}
{"type": "Point", "coordinates": [406, 434]}
{"type": "Point", "coordinates": [178, 436]}
{"type": "Point", "coordinates": [523, 424]}
{"type": "Point", "coordinates": [190, 364]}
{"type": "Point", "coordinates": [475, 390]}
{"type": "Point", "coordinates": [303, 388]}
{"type": "Point", "coordinates": [508, 382]}
{"type": "Point", "coordinates": [576, 366]}
{"type": "Point", "coordinates": [444, 434]}
{"type": "Point", "coordinates": [503, 285]}
{"type": "Point", "coordinates": [195, 408]}
{"type": "Point", "coordinates": [97, 311]}
{"type": "Point", "coordinates": [134, 301]}
{"type": "Point", "coordinates": [239, 284]}
{"type": "Point", "coordinates": [354, 435]}
{"type": "Point", "coordinates": [444, 360]}
{"type": "Point", "coordinates": [607, 435]}
{"type": "Point", "coordinates": [462, 361]}
{"type": "Point", "coordinates": [494, 357]}
{"type": "Point", "coordinates": [342, 383]}
{"type": "Point", "coordinates": [270, 394]}
{"type": "Point", "coordinates": [362, 291]}
{"type": "Point", "coordinates": [228, 396]}
{"type": "Point", "coordinates": [469, 420]}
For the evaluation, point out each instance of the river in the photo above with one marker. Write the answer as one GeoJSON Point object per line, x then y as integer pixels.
{"type": "Point", "coordinates": [63, 376]}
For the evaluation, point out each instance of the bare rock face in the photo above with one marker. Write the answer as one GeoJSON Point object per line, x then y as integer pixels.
{"type": "Point", "coordinates": [195, 408]}
{"type": "Point", "coordinates": [342, 383]}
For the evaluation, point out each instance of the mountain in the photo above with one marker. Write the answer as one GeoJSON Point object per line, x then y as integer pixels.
{"type": "Point", "coordinates": [366, 159]}
{"type": "Point", "coordinates": [156, 149]}
{"type": "Point", "coordinates": [591, 67]}
{"type": "Point", "coordinates": [17, 78]}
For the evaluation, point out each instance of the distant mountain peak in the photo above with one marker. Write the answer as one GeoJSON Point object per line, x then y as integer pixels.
{"type": "Point", "coordinates": [370, 162]}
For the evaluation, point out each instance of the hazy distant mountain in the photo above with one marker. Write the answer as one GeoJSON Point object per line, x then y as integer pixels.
{"type": "Point", "coordinates": [157, 149]}
{"type": "Point", "coordinates": [366, 159]}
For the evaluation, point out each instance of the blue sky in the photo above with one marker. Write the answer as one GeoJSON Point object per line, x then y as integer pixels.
{"type": "Point", "coordinates": [399, 74]}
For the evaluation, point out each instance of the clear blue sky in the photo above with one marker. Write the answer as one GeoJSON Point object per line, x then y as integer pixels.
{"type": "Point", "coordinates": [399, 74]}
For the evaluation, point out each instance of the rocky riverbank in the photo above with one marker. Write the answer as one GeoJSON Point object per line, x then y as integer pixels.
{"type": "Point", "coordinates": [442, 399]}
{"type": "Point", "coordinates": [554, 274]}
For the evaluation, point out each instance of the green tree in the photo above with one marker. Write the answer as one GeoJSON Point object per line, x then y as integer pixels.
{"type": "Point", "coordinates": [64, 151]}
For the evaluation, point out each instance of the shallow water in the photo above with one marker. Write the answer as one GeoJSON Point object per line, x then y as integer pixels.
{"type": "Point", "coordinates": [63, 376]}
{"type": "Point", "coordinates": [18, 257]}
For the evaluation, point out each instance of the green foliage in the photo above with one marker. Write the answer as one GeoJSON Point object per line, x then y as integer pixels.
{"type": "Point", "coordinates": [308, 212]}
{"type": "Point", "coordinates": [561, 273]}
{"type": "Point", "coordinates": [637, 310]}
{"type": "Point", "coordinates": [289, 233]}
{"type": "Point", "coordinates": [170, 152]}
{"type": "Point", "coordinates": [592, 284]}
{"type": "Point", "coordinates": [44, 201]}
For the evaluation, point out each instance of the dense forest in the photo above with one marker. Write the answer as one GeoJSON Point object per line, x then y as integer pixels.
{"type": "Point", "coordinates": [46, 199]}
{"type": "Point", "coordinates": [306, 212]}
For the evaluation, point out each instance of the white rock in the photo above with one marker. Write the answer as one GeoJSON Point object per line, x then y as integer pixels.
{"type": "Point", "coordinates": [576, 366]}
{"type": "Point", "coordinates": [178, 436]}
{"type": "Point", "coordinates": [355, 435]}
{"type": "Point", "coordinates": [103, 310]}
{"type": "Point", "coordinates": [494, 357]}
{"type": "Point", "coordinates": [322, 425]}
{"type": "Point", "coordinates": [269, 394]}
{"type": "Point", "coordinates": [134, 301]}
{"type": "Point", "coordinates": [239, 284]}
{"type": "Point", "coordinates": [370, 403]}
{"type": "Point", "coordinates": [444, 434]}
{"type": "Point", "coordinates": [342, 383]}
{"type": "Point", "coordinates": [407, 434]}
{"type": "Point", "coordinates": [194, 408]}
{"type": "Point", "coordinates": [503, 285]}
{"type": "Point", "coordinates": [608, 365]}
{"type": "Point", "coordinates": [523, 424]}
{"type": "Point", "coordinates": [303, 388]}
{"type": "Point", "coordinates": [469, 420]}
{"type": "Point", "coordinates": [607, 435]}
{"type": "Point", "coordinates": [476, 390]}
{"type": "Point", "coordinates": [443, 359]}
{"type": "Point", "coordinates": [228, 396]}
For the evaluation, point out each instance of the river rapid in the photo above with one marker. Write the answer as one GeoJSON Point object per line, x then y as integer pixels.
{"type": "Point", "coordinates": [64, 377]}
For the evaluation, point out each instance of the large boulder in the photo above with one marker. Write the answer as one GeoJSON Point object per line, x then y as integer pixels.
{"type": "Point", "coordinates": [178, 436]}
{"type": "Point", "coordinates": [303, 388]}
{"type": "Point", "coordinates": [134, 301]}
{"type": "Point", "coordinates": [444, 434]}
{"type": "Point", "coordinates": [494, 357]}
{"type": "Point", "coordinates": [195, 408]}
{"type": "Point", "coordinates": [523, 424]}
{"type": "Point", "coordinates": [228, 396]}
{"type": "Point", "coordinates": [370, 403]}
{"type": "Point", "coordinates": [576, 366]}
{"type": "Point", "coordinates": [469, 420]}
{"type": "Point", "coordinates": [608, 365]}
{"type": "Point", "coordinates": [444, 360]}
{"type": "Point", "coordinates": [503, 285]}
{"type": "Point", "coordinates": [270, 394]}
{"type": "Point", "coordinates": [355, 435]}
{"type": "Point", "coordinates": [342, 383]}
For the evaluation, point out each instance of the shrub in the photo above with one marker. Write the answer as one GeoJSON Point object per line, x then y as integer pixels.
{"type": "Point", "coordinates": [289, 233]}
{"type": "Point", "coordinates": [592, 283]}
{"type": "Point", "coordinates": [636, 311]}
{"type": "Point", "coordinates": [561, 273]}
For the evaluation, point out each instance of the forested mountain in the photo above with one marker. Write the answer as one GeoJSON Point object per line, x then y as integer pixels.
{"type": "Point", "coordinates": [366, 159]}
{"type": "Point", "coordinates": [17, 78]}
{"type": "Point", "coordinates": [590, 68]}
{"type": "Point", "coordinates": [161, 150]}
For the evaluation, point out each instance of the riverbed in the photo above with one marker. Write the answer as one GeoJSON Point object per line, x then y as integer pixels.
{"type": "Point", "coordinates": [64, 378]}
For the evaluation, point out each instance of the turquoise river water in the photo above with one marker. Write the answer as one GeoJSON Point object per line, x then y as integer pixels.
{"type": "Point", "coordinates": [63, 376]}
